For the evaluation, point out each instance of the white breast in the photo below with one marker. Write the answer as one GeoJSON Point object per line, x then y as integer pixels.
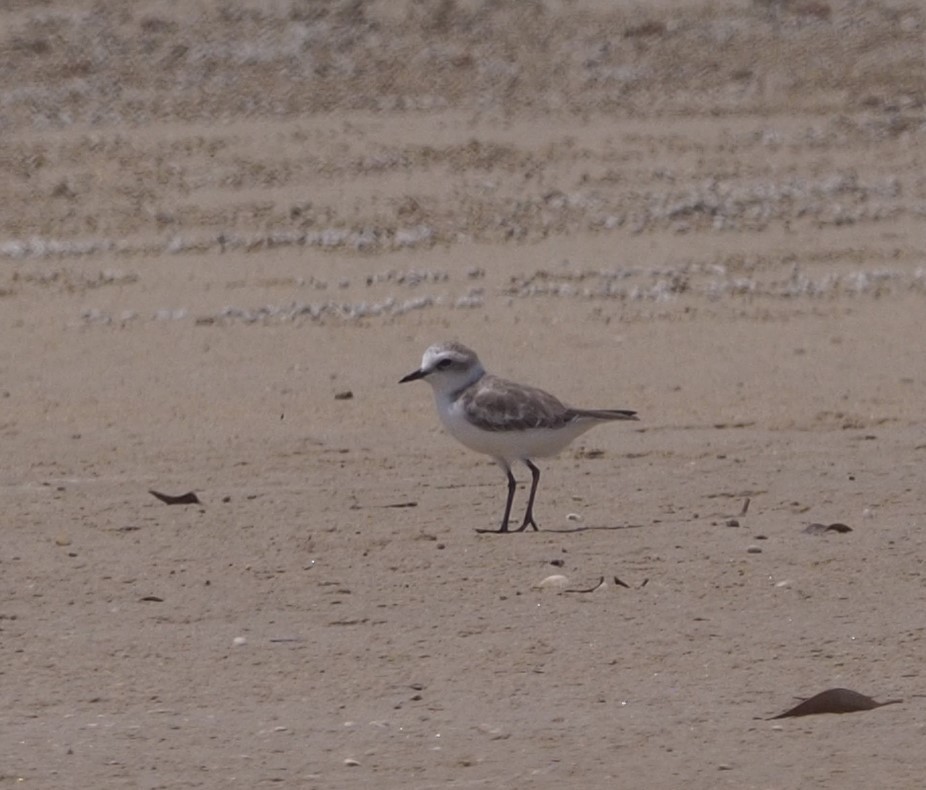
{"type": "Point", "coordinates": [507, 445]}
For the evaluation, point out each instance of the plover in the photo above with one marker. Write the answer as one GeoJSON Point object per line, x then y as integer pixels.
{"type": "Point", "coordinates": [507, 421]}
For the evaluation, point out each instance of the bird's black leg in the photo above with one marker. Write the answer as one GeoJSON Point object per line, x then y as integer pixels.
{"type": "Point", "coordinates": [512, 485]}
{"type": "Point", "coordinates": [529, 514]}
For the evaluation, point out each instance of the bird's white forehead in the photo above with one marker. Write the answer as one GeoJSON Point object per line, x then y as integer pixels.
{"type": "Point", "coordinates": [439, 351]}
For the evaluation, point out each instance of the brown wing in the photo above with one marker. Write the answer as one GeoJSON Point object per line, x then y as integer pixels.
{"type": "Point", "coordinates": [495, 404]}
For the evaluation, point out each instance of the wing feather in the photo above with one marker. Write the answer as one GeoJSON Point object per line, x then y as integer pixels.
{"type": "Point", "coordinates": [495, 404]}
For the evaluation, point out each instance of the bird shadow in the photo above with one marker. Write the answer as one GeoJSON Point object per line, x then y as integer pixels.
{"type": "Point", "coordinates": [592, 527]}
{"type": "Point", "coordinates": [567, 530]}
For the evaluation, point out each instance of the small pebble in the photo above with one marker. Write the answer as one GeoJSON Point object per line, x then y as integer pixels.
{"type": "Point", "coordinates": [238, 641]}
{"type": "Point", "coordinates": [573, 517]}
{"type": "Point", "coordinates": [754, 550]}
{"type": "Point", "coordinates": [351, 761]}
{"type": "Point", "coordinates": [345, 395]}
{"type": "Point", "coordinates": [62, 540]}
{"type": "Point", "coordinates": [494, 732]}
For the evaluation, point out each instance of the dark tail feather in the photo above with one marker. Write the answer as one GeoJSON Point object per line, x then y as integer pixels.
{"type": "Point", "coordinates": [605, 414]}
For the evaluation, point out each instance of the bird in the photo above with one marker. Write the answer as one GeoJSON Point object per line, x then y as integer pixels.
{"type": "Point", "coordinates": [505, 420]}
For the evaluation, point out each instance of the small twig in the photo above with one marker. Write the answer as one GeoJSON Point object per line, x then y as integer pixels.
{"type": "Point", "coordinates": [188, 498]}
{"type": "Point", "coordinates": [745, 506]}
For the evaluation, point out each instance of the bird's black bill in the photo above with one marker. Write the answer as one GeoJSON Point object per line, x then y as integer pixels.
{"type": "Point", "coordinates": [418, 374]}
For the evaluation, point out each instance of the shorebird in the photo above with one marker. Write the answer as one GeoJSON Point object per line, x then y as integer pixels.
{"type": "Point", "coordinates": [507, 421]}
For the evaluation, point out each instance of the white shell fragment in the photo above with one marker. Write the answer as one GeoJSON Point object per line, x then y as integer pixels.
{"type": "Point", "coordinates": [554, 582]}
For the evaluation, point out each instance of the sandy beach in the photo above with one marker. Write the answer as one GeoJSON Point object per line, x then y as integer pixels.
{"type": "Point", "coordinates": [228, 230]}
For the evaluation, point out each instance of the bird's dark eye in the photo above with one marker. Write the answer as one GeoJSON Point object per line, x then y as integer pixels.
{"type": "Point", "coordinates": [444, 364]}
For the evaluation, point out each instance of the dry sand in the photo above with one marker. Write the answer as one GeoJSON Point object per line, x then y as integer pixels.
{"type": "Point", "coordinates": [216, 220]}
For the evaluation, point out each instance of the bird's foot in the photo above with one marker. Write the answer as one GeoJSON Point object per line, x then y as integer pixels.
{"type": "Point", "coordinates": [502, 530]}
{"type": "Point", "coordinates": [529, 522]}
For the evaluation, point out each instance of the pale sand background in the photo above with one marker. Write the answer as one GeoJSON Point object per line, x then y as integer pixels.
{"type": "Point", "coordinates": [213, 221]}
